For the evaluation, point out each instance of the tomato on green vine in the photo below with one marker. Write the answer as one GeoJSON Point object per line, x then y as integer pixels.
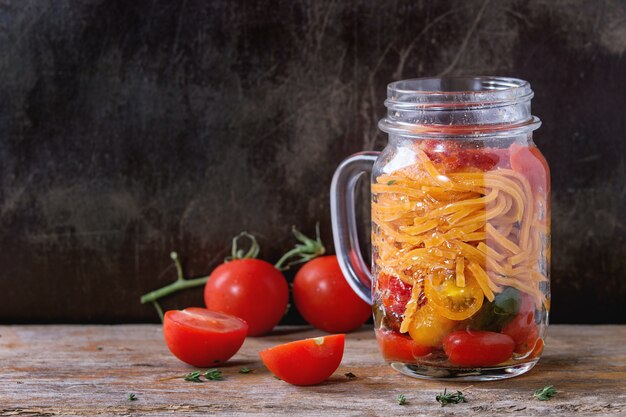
{"type": "Point", "coordinates": [324, 298]}
{"type": "Point", "coordinates": [253, 289]}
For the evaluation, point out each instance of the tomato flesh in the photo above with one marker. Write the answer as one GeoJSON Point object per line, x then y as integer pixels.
{"type": "Point", "coordinates": [251, 289]}
{"type": "Point", "coordinates": [324, 298]}
{"type": "Point", "coordinates": [305, 362]}
{"type": "Point", "coordinates": [478, 348]}
{"type": "Point", "coordinates": [398, 347]}
{"type": "Point", "coordinates": [203, 338]}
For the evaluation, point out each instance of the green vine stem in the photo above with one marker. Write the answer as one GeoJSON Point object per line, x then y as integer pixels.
{"type": "Point", "coordinates": [302, 252]}
{"type": "Point", "coordinates": [182, 283]}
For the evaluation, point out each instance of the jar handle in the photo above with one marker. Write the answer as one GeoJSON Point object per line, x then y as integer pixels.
{"type": "Point", "coordinates": [342, 211]}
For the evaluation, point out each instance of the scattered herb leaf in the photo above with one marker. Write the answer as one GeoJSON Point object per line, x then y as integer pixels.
{"type": "Point", "coordinates": [391, 182]}
{"type": "Point", "coordinates": [350, 375]}
{"type": "Point", "coordinates": [213, 375]}
{"type": "Point", "coordinates": [193, 376]}
{"type": "Point", "coordinates": [277, 377]}
{"type": "Point", "coordinates": [99, 348]}
{"type": "Point", "coordinates": [245, 370]}
{"type": "Point", "coordinates": [545, 393]}
{"type": "Point", "coordinates": [401, 399]}
{"type": "Point", "coordinates": [452, 398]}
{"type": "Point", "coordinates": [132, 397]}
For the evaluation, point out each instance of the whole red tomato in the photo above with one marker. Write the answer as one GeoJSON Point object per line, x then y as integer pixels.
{"type": "Point", "coordinates": [324, 298]}
{"type": "Point", "coordinates": [251, 289]}
{"type": "Point", "coordinates": [201, 337]}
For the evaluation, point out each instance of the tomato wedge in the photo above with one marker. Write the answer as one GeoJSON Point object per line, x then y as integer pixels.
{"type": "Point", "coordinates": [398, 347]}
{"type": "Point", "coordinates": [478, 348]}
{"type": "Point", "coordinates": [305, 362]}
{"type": "Point", "coordinates": [452, 302]}
{"type": "Point", "coordinates": [203, 338]}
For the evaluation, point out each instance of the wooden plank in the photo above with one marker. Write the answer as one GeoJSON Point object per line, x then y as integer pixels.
{"type": "Point", "coordinates": [90, 370]}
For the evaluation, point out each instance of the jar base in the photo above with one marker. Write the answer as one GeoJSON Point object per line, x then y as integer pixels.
{"type": "Point", "coordinates": [463, 374]}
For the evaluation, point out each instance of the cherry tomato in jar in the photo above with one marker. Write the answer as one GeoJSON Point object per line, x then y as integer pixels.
{"type": "Point", "coordinates": [251, 289]}
{"type": "Point", "coordinates": [523, 329]}
{"type": "Point", "coordinates": [530, 162]}
{"type": "Point", "coordinates": [398, 347]}
{"type": "Point", "coordinates": [324, 298]}
{"type": "Point", "coordinates": [203, 338]}
{"type": "Point", "coordinates": [478, 348]}
{"type": "Point", "coordinates": [305, 362]}
{"type": "Point", "coordinates": [428, 328]}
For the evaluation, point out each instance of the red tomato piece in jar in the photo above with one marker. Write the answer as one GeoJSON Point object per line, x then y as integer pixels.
{"type": "Point", "coordinates": [203, 338]}
{"type": "Point", "coordinates": [394, 292]}
{"type": "Point", "coordinates": [397, 347]}
{"type": "Point", "coordinates": [452, 156]}
{"type": "Point", "coordinates": [305, 362]}
{"type": "Point", "coordinates": [523, 329]}
{"type": "Point", "coordinates": [478, 348]}
{"type": "Point", "coordinates": [530, 162]}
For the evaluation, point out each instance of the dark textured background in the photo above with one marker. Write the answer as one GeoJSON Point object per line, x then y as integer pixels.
{"type": "Point", "coordinates": [132, 128]}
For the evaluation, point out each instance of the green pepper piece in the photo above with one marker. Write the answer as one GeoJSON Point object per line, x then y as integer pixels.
{"type": "Point", "coordinates": [494, 315]}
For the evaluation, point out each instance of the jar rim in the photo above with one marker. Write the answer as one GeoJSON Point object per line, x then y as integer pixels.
{"type": "Point", "coordinates": [442, 93]}
{"type": "Point", "coordinates": [459, 106]}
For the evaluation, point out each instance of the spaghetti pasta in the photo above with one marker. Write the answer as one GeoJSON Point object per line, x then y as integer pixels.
{"type": "Point", "coordinates": [469, 224]}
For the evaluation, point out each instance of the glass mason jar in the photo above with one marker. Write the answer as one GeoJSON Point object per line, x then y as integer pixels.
{"type": "Point", "coordinates": [460, 207]}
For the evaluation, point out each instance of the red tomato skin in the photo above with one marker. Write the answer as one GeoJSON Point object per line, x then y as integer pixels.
{"type": "Point", "coordinates": [530, 162]}
{"type": "Point", "coordinates": [324, 298]}
{"type": "Point", "coordinates": [397, 347]}
{"type": "Point", "coordinates": [251, 289]}
{"type": "Point", "coordinates": [522, 329]}
{"type": "Point", "coordinates": [202, 347]}
{"type": "Point", "coordinates": [304, 362]}
{"type": "Point", "coordinates": [478, 348]}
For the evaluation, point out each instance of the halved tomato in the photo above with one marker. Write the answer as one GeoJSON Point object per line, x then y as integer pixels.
{"type": "Point", "coordinates": [451, 301]}
{"type": "Point", "coordinates": [398, 347]}
{"type": "Point", "coordinates": [203, 338]}
{"type": "Point", "coordinates": [305, 362]}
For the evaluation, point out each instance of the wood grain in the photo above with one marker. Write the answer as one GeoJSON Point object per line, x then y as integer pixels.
{"type": "Point", "coordinates": [90, 370]}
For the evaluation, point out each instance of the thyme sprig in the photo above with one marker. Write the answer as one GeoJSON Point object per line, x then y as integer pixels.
{"type": "Point", "coordinates": [450, 398]}
{"type": "Point", "coordinates": [545, 393]}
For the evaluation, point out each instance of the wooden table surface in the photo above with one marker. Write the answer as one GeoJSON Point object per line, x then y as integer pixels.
{"type": "Point", "coordinates": [91, 370]}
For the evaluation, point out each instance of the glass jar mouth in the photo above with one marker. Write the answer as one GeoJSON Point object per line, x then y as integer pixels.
{"type": "Point", "coordinates": [456, 92]}
{"type": "Point", "coordinates": [459, 107]}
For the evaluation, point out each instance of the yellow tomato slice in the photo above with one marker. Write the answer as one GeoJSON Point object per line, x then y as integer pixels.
{"type": "Point", "coordinates": [451, 301]}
